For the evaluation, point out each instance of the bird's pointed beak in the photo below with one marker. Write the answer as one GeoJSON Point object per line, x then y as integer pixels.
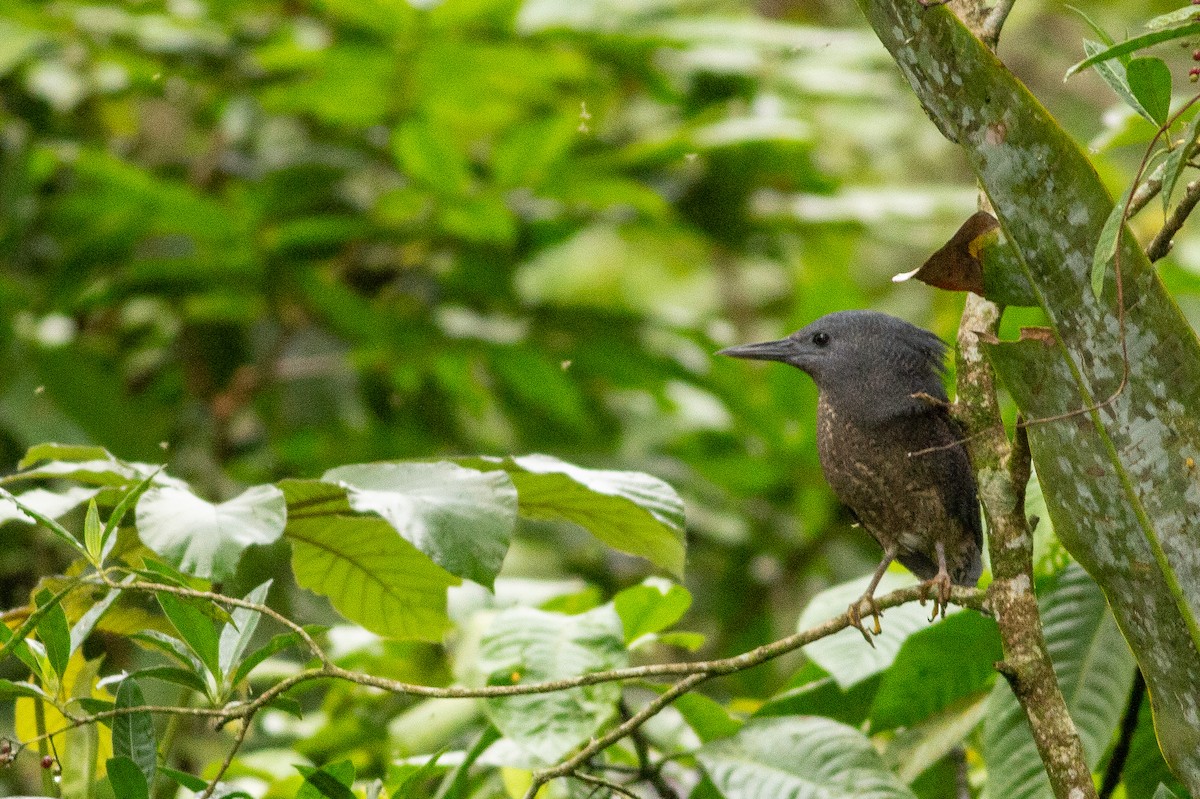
{"type": "Point", "coordinates": [779, 350]}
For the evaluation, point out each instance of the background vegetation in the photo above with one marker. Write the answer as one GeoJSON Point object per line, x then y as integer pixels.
{"type": "Point", "coordinates": [257, 241]}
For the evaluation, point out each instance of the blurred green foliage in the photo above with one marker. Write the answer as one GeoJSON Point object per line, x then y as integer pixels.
{"type": "Point", "coordinates": [260, 240]}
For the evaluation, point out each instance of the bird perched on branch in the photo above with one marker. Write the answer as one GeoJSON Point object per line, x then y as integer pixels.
{"type": "Point", "coordinates": [888, 445]}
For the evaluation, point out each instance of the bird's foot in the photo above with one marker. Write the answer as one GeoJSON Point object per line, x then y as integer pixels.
{"type": "Point", "coordinates": [855, 612]}
{"type": "Point", "coordinates": [941, 597]}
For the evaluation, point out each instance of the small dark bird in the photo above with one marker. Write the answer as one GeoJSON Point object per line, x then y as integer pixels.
{"type": "Point", "coordinates": [888, 445]}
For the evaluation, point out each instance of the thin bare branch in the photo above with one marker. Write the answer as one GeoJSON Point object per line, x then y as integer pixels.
{"type": "Point", "coordinates": [1162, 242]}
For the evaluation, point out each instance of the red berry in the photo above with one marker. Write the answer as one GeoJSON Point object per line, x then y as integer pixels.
{"type": "Point", "coordinates": [1196, 55]}
{"type": "Point", "coordinates": [47, 761]}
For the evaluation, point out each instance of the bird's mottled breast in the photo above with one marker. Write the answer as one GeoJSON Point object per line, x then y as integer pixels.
{"type": "Point", "coordinates": [900, 500]}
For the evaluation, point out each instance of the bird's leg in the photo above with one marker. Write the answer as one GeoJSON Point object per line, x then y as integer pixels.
{"type": "Point", "coordinates": [868, 598]}
{"type": "Point", "coordinates": [940, 582]}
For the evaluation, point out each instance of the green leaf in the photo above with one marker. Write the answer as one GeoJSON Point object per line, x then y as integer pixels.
{"type": "Point", "coordinates": [1094, 669]}
{"type": "Point", "coordinates": [171, 674]}
{"type": "Point", "coordinates": [1177, 160]}
{"type": "Point", "coordinates": [1113, 73]}
{"type": "Point", "coordinates": [236, 637]}
{"type": "Point", "coordinates": [1106, 246]}
{"type": "Point", "coordinates": [455, 784]}
{"type": "Point", "coordinates": [629, 511]}
{"type": "Point", "coordinates": [10, 690]}
{"type": "Point", "coordinates": [1135, 44]}
{"type": "Point", "coordinates": [799, 757]}
{"type": "Point", "coordinates": [372, 575]}
{"type": "Point", "coordinates": [1150, 81]}
{"type": "Point", "coordinates": [814, 693]}
{"type": "Point", "coordinates": [845, 655]}
{"type": "Point", "coordinates": [201, 538]}
{"type": "Point", "coordinates": [54, 633]}
{"type": "Point", "coordinates": [133, 733]}
{"type": "Point", "coordinates": [189, 781]}
{"type": "Point", "coordinates": [1145, 767]}
{"type": "Point", "coordinates": [88, 621]}
{"type": "Point", "coordinates": [1173, 18]}
{"type": "Point", "coordinates": [924, 681]}
{"type": "Point", "coordinates": [430, 156]}
{"type": "Point", "coordinates": [277, 644]}
{"type": "Point", "coordinates": [7, 500]}
{"type": "Point", "coordinates": [95, 706]}
{"type": "Point", "coordinates": [171, 647]}
{"type": "Point", "coordinates": [463, 519]}
{"type": "Point", "coordinates": [527, 645]}
{"type": "Point", "coordinates": [683, 639]}
{"type": "Point", "coordinates": [108, 538]}
{"type": "Point", "coordinates": [195, 628]}
{"type": "Point", "coordinates": [913, 750]}
{"type": "Point", "coordinates": [1163, 792]}
{"type": "Point", "coordinates": [63, 452]}
{"type": "Point", "coordinates": [91, 531]}
{"type": "Point", "coordinates": [11, 643]}
{"type": "Point", "coordinates": [127, 780]}
{"type": "Point", "coordinates": [332, 781]}
{"type": "Point", "coordinates": [650, 607]}
{"type": "Point", "coordinates": [49, 503]}
{"type": "Point", "coordinates": [1091, 23]}
{"type": "Point", "coordinates": [707, 718]}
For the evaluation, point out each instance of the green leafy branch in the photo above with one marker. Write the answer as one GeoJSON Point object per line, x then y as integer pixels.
{"type": "Point", "coordinates": [693, 673]}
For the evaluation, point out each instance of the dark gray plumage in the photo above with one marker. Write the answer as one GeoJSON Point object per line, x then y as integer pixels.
{"type": "Point", "coordinates": [888, 445]}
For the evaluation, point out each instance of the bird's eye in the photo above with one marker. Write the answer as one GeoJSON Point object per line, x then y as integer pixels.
{"type": "Point", "coordinates": [820, 338]}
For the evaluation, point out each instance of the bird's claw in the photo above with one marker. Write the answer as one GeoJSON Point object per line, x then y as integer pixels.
{"type": "Point", "coordinates": [940, 583]}
{"type": "Point", "coordinates": [856, 618]}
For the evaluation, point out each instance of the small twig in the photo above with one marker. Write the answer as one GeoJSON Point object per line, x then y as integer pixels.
{"type": "Point", "coordinates": [651, 709]}
{"type": "Point", "coordinates": [990, 31]}
{"type": "Point", "coordinates": [1147, 190]}
{"type": "Point", "coordinates": [583, 776]}
{"type": "Point", "coordinates": [233, 750]}
{"type": "Point", "coordinates": [647, 771]}
{"type": "Point", "coordinates": [1129, 723]}
{"type": "Point", "coordinates": [1162, 242]}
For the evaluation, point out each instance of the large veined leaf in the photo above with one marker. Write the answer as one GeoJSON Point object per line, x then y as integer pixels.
{"type": "Point", "coordinates": [937, 667]}
{"type": "Point", "coordinates": [371, 574]}
{"type": "Point", "coordinates": [1095, 670]}
{"type": "Point", "coordinates": [200, 538]}
{"type": "Point", "coordinates": [528, 645]}
{"type": "Point", "coordinates": [1120, 481]}
{"type": "Point", "coordinates": [845, 655]}
{"type": "Point", "coordinates": [799, 757]}
{"type": "Point", "coordinates": [630, 511]}
{"type": "Point", "coordinates": [461, 518]}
